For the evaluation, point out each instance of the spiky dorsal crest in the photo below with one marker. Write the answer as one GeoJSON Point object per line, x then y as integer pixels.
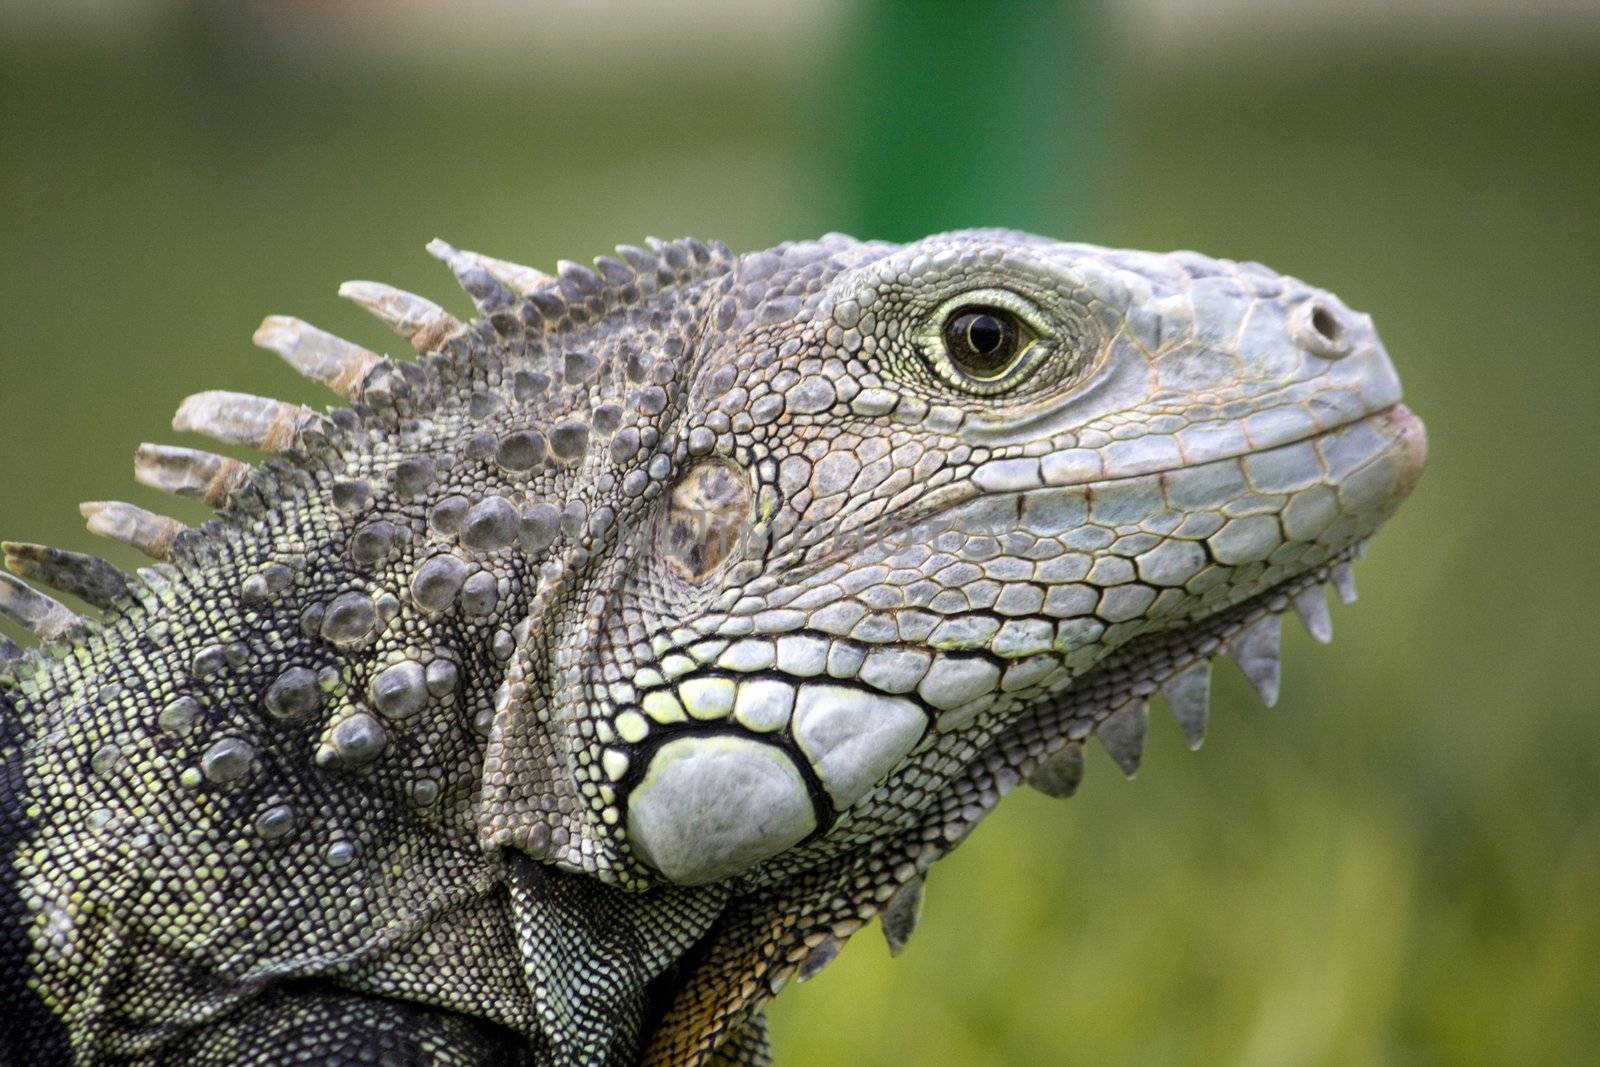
{"type": "Point", "coordinates": [516, 303]}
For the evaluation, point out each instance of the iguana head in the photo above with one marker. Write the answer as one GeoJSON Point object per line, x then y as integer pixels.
{"type": "Point", "coordinates": [868, 510]}
{"type": "Point", "coordinates": [748, 582]}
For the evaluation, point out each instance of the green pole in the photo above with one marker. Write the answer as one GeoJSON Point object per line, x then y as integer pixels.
{"type": "Point", "coordinates": [956, 113]}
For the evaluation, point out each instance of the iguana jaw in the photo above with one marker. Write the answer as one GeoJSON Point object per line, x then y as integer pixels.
{"type": "Point", "coordinates": [795, 926]}
{"type": "Point", "coordinates": [1377, 461]}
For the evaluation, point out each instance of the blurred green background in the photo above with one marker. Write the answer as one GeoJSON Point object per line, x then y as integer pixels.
{"type": "Point", "coordinates": [1400, 865]}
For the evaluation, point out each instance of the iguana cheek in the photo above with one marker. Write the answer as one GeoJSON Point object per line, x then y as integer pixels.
{"type": "Point", "coordinates": [853, 738]}
{"type": "Point", "coordinates": [784, 758]}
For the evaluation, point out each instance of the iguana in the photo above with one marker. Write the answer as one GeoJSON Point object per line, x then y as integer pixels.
{"type": "Point", "coordinates": [592, 675]}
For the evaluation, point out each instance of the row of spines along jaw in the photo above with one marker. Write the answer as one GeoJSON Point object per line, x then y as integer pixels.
{"type": "Point", "coordinates": [305, 448]}
{"type": "Point", "coordinates": [1115, 712]}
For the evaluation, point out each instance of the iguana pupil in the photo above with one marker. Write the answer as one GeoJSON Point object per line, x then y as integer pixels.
{"type": "Point", "coordinates": [984, 333]}
{"type": "Point", "coordinates": [983, 342]}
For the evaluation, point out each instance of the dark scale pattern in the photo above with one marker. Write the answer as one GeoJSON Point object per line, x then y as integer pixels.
{"type": "Point", "coordinates": [308, 1025]}
{"type": "Point", "coordinates": [609, 665]}
{"type": "Point", "coordinates": [32, 1031]}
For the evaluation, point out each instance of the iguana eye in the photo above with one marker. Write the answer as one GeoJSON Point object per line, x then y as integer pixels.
{"type": "Point", "coordinates": [985, 342]}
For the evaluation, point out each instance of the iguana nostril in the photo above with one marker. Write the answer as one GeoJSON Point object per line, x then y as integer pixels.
{"type": "Point", "coordinates": [1320, 329]}
{"type": "Point", "coordinates": [1325, 324]}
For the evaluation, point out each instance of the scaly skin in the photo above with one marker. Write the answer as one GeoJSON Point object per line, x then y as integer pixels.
{"type": "Point", "coordinates": [599, 671]}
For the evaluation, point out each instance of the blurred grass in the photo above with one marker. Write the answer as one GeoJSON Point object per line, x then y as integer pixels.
{"type": "Point", "coordinates": [1399, 866]}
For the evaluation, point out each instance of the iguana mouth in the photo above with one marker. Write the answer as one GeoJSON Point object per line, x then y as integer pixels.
{"type": "Point", "coordinates": [1246, 630]}
{"type": "Point", "coordinates": [1396, 412]}
{"type": "Point", "coordinates": [943, 501]}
